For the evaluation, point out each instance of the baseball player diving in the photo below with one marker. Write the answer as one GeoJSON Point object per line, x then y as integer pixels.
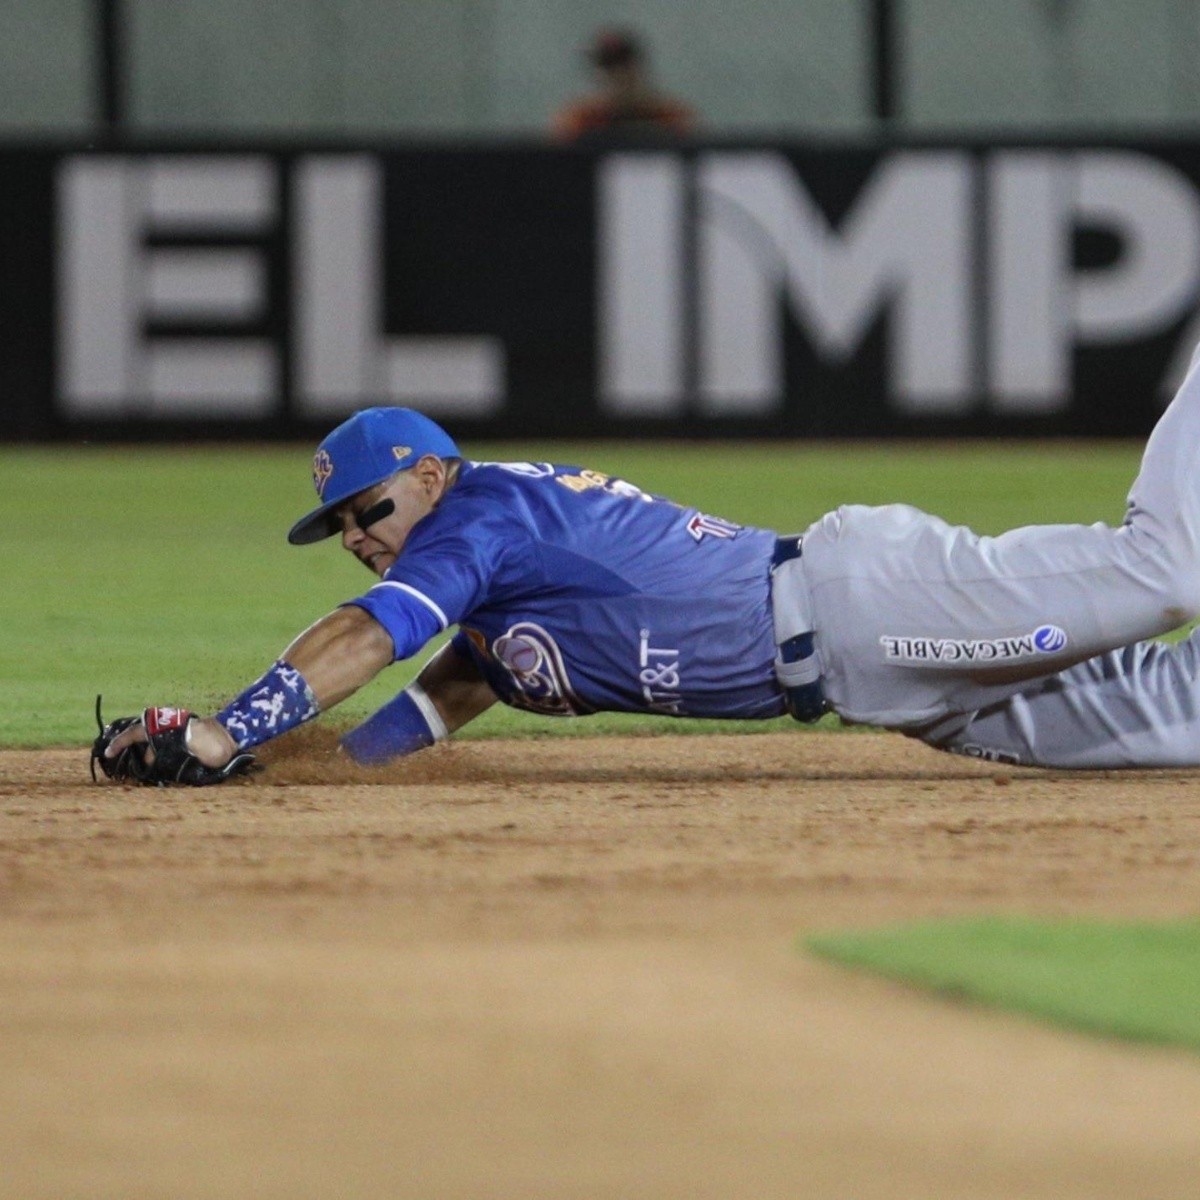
{"type": "Point", "coordinates": [575, 592]}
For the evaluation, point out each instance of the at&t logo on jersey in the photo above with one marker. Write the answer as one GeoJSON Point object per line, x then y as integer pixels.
{"type": "Point", "coordinates": [1045, 639]}
{"type": "Point", "coordinates": [658, 673]}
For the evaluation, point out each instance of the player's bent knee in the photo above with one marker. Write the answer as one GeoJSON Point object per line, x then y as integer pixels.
{"type": "Point", "coordinates": [1180, 596]}
{"type": "Point", "coordinates": [1170, 564]}
{"type": "Point", "coordinates": [1167, 576]}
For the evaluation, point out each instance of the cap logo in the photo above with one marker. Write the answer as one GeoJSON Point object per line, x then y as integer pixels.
{"type": "Point", "coordinates": [399, 452]}
{"type": "Point", "coordinates": [322, 470]}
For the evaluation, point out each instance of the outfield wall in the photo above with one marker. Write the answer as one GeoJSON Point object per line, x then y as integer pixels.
{"type": "Point", "coordinates": [500, 68]}
{"type": "Point", "coordinates": [748, 289]}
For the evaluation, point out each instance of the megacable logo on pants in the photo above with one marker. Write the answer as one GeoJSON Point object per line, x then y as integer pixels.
{"type": "Point", "coordinates": [1046, 639]}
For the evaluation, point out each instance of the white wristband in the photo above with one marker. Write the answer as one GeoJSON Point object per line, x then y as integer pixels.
{"type": "Point", "coordinates": [420, 697]}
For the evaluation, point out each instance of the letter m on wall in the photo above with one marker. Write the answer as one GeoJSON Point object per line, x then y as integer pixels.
{"type": "Point", "coordinates": [905, 244]}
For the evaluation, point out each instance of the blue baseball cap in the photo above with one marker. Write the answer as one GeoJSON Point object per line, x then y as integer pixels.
{"type": "Point", "coordinates": [365, 450]}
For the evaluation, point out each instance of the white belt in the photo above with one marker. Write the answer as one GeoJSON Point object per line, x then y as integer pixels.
{"type": "Point", "coordinates": [797, 662]}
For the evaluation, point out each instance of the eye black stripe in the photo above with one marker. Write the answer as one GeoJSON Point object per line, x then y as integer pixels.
{"type": "Point", "coordinates": [377, 512]}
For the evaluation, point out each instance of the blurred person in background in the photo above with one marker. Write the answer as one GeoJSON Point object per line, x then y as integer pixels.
{"type": "Point", "coordinates": [625, 104]}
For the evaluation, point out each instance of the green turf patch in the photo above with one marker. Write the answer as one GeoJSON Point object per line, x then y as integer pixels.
{"type": "Point", "coordinates": [1133, 981]}
{"type": "Point", "coordinates": [163, 576]}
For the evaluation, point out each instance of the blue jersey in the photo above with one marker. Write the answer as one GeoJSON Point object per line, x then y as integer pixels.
{"type": "Point", "coordinates": [576, 592]}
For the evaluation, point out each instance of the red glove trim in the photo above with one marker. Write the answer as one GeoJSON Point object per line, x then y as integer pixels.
{"type": "Point", "coordinates": [160, 720]}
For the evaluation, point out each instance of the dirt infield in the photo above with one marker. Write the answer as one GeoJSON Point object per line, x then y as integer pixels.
{"type": "Point", "coordinates": [567, 968]}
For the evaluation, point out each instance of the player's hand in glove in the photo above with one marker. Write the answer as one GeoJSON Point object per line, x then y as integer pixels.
{"type": "Point", "coordinates": [166, 747]}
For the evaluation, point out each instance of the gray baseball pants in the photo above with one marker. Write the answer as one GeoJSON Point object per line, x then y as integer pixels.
{"type": "Point", "coordinates": [1029, 647]}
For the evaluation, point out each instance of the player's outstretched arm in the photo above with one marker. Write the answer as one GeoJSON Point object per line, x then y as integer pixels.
{"type": "Point", "coordinates": [340, 653]}
{"type": "Point", "coordinates": [326, 663]}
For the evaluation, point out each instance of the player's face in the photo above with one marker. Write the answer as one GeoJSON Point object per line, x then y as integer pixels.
{"type": "Point", "coordinates": [374, 534]}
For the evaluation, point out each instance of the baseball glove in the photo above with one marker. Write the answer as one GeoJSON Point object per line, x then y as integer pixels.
{"type": "Point", "coordinates": [163, 760]}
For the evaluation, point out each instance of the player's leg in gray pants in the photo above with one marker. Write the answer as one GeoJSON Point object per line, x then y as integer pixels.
{"type": "Point", "coordinates": [916, 620]}
{"type": "Point", "coordinates": [1135, 707]}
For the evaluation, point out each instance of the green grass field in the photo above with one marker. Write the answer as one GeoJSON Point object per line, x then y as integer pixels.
{"type": "Point", "coordinates": [1132, 981]}
{"type": "Point", "coordinates": [160, 576]}
{"type": "Point", "coordinates": [163, 575]}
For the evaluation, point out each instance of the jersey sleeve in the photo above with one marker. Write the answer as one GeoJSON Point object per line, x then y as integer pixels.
{"type": "Point", "coordinates": [448, 567]}
{"type": "Point", "coordinates": [409, 621]}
